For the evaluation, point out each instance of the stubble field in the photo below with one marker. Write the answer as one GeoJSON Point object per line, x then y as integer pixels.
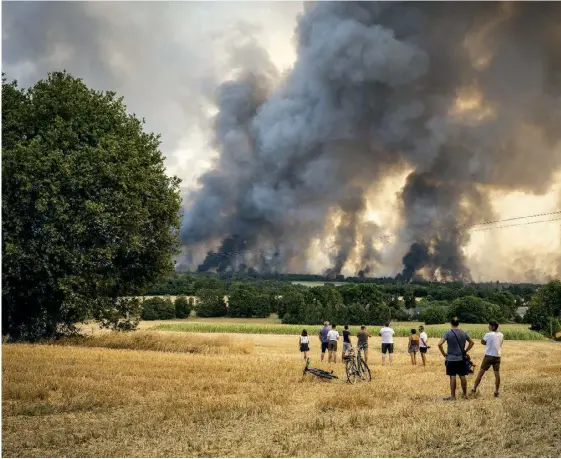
{"type": "Point", "coordinates": [244, 395]}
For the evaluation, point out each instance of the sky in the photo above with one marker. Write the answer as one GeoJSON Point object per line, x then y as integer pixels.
{"type": "Point", "coordinates": [168, 58]}
{"type": "Point", "coordinates": [165, 58]}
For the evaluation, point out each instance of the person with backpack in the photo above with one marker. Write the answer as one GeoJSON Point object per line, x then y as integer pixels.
{"type": "Point", "coordinates": [492, 342]}
{"type": "Point", "coordinates": [305, 344]}
{"type": "Point", "coordinates": [455, 357]}
{"type": "Point", "coordinates": [323, 338]}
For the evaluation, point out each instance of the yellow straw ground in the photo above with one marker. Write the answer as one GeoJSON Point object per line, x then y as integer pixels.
{"type": "Point", "coordinates": [244, 395]}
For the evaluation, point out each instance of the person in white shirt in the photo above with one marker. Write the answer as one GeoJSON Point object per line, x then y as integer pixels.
{"type": "Point", "coordinates": [492, 342]}
{"type": "Point", "coordinates": [423, 346]}
{"type": "Point", "coordinates": [332, 338]}
{"type": "Point", "coordinates": [387, 342]}
{"type": "Point", "coordinates": [304, 343]}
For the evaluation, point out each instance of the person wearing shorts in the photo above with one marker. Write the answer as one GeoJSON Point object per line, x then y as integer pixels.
{"type": "Point", "coordinates": [423, 346]}
{"type": "Point", "coordinates": [387, 342]}
{"type": "Point", "coordinates": [323, 338]}
{"type": "Point", "coordinates": [362, 341]}
{"type": "Point", "coordinates": [456, 340]}
{"type": "Point", "coordinates": [346, 341]}
{"type": "Point", "coordinates": [413, 346]}
{"type": "Point", "coordinates": [492, 342]}
{"type": "Point", "coordinates": [305, 344]}
{"type": "Point", "coordinates": [332, 338]}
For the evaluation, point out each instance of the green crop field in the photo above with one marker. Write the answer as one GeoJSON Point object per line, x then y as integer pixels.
{"type": "Point", "coordinates": [319, 283]}
{"type": "Point", "coordinates": [476, 331]}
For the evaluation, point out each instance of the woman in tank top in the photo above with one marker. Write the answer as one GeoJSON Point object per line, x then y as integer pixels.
{"type": "Point", "coordinates": [304, 343]}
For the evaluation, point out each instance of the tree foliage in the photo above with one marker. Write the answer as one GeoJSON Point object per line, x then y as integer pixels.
{"type": "Point", "coordinates": [433, 314]}
{"type": "Point", "coordinates": [474, 310]}
{"type": "Point", "coordinates": [544, 312]}
{"type": "Point", "coordinates": [89, 214]}
{"type": "Point", "coordinates": [211, 303]}
{"type": "Point", "coordinates": [158, 309]}
{"type": "Point", "coordinates": [245, 300]}
{"type": "Point", "coordinates": [183, 307]}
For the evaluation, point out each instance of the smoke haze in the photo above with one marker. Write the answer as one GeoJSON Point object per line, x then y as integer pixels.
{"type": "Point", "coordinates": [417, 120]}
{"type": "Point", "coordinates": [467, 95]}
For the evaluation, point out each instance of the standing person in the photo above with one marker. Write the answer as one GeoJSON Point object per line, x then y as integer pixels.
{"type": "Point", "coordinates": [387, 342]}
{"type": "Point", "coordinates": [323, 338]}
{"type": "Point", "coordinates": [346, 340]}
{"type": "Point", "coordinates": [332, 337]}
{"type": "Point", "coordinates": [413, 346]}
{"type": "Point", "coordinates": [362, 341]}
{"type": "Point", "coordinates": [305, 343]}
{"type": "Point", "coordinates": [455, 356]}
{"type": "Point", "coordinates": [492, 342]}
{"type": "Point", "coordinates": [423, 346]}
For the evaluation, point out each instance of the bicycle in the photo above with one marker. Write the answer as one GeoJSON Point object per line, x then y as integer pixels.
{"type": "Point", "coordinates": [317, 372]}
{"type": "Point", "coordinates": [351, 368]}
{"type": "Point", "coordinates": [356, 369]}
{"type": "Point", "coordinates": [363, 368]}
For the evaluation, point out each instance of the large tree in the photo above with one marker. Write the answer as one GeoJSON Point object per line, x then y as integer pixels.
{"type": "Point", "coordinates": [88, 213]}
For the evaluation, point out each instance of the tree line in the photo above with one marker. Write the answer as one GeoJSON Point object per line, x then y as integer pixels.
{"type": "Point", "coordinates": [369, 303]}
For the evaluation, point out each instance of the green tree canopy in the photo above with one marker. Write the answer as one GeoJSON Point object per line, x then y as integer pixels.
{"type": "Point", "coordinates": [89, 214]}
{"type": "Point", "coordinates": [211, 303]}
{"type": "Point", "coordinates": [474, 310]}
{"type": "Point", "coordinates": [433, 314]}
{"type": "Point", "coordinates": [544, 312]}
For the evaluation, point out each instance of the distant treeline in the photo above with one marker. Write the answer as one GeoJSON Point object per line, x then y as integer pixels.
{"type": "Point", "coordinates": [190, 283]}
{"type": "Point", "coordinates": [351, 303]}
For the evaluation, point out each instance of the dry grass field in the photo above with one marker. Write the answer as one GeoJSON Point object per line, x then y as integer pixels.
{"type": "Point", "coordinates": [244, 395]}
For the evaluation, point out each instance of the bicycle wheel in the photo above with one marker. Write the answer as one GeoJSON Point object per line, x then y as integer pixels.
{"type": "Point", "coordinates": [352, 372]}
{"type": "Point", "coordinates": [364, 370]}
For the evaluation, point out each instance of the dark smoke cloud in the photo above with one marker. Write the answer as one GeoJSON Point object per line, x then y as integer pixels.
{"type": "Point", "coordinates": [376, 87]}
{"type": "Point", "coordinates": [373, 93]}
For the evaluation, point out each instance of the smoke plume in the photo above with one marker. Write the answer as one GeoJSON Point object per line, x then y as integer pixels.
{"type": "Point", "coordinates": [466, 95]}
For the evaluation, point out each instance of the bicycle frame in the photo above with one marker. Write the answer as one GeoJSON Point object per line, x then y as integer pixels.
{"type": "Point", "coordinates": [317, 372]}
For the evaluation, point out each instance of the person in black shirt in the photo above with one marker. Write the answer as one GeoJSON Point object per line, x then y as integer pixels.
{"type": "Point", "coordinates": [346, 340]}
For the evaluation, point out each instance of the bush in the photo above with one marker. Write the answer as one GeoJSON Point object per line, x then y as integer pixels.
{"type": "Point", "coordinates": [158, 309]}
{"type": "Point", "coordinates": [380, 315]}
{"type": "Point", "coordinates": [291, 302]}
{"type": "Point", "coordinates": [433, 315]}
{"type": "Point", "coordinates": [211, 303]}
{"type": "Point", "coordinates": [544, 311]}
{"type": "Point", "coordinates": [401, 315]}
{"type": "Point", "coordinates": [473, 310]}
{"type": "Point", "coordinates": [289, 319]}
{"type": "Point", "coordinates": [183, 307]}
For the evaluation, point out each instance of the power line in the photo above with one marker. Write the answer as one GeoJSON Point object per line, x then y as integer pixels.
{"type": "Point", "coordinates": [474, 225]}
{"type": "Point", "coordinates": [518, 224]}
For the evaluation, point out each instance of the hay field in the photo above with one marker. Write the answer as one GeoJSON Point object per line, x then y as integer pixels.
{"type": "Point", "coordinates": [250, 399]}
